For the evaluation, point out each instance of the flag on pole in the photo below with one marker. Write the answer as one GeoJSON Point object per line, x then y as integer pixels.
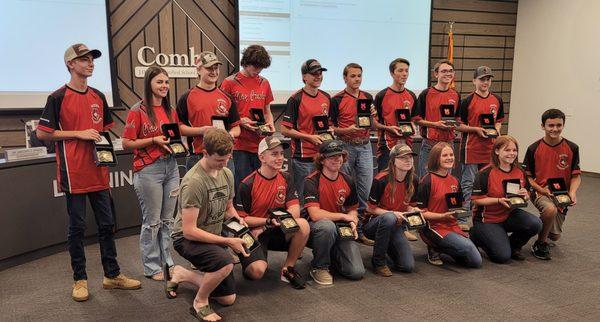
{"type": "Point", "coordinates": [451, 47]}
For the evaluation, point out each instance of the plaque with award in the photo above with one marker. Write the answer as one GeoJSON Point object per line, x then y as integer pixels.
{"type": "Point", "coordinates": [454, 203]}
{"type": "Point", "coordinates": [104, 152]}
{"type": "Point", "coordinates": [511, 192]}
{"type": "Point", "coordinates": [488, 123]}
{"type": "Point", "coordinates": [403, 119]}
{"type": "Point", "coordinates": [219, 122]}
{"type": "Point", "coordinates": [414, 220]}
{"type": "Point", "coordinates": [286, 221]}
{"type": "Point", "coordinates": [171, 132]}
{"type": "Point", "coordinates": [234, 228]}
{"type": "Point", "coordinates": [321, 124]}
{"type": "Point", "coordinates": [448, 114]}
{"type": "Point", "coordinates": [259, 117]}
{"type": "Point", "coordinates": [344, 230]}
{"type": "Point", "coordinates": [363, 112]}
{"type": "Point", "coordinates": [558, 187]}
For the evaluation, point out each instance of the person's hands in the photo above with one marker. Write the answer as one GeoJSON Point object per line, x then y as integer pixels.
{"type": "Point", "coordinates": [315, 139]}
{"type": "Point", "coordinates": [400, 217]}
{"type": "Point", "coordinates": [238, 246]}
{"type": "Point", "coordinates": [162, 143]}
{"type": "Point", "coordinates": [504, 202]}
{"type": "Point", "coordinates": [88, 135]}
{"type": "Point", "coordinates": [573, 196]}
{"type": "Point", "coordinates": [481, 132]}
{"type": "Point", "coordinates": [441, 125]}
{"type": "Point", "coordinates": [353, 226]}
{"type": "Point", "coordinates": [395, 130]}
{"type": "Point", "coordinates": [204, 129]}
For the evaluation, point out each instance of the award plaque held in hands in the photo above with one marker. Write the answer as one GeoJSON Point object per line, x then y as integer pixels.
{"type": "Point", "coordinates": [104, 153]}
{"type": "Point", "coordinates": [454, 203]}
{"type": "Point", "coordinates": [363, 112]}
{"type": "Point", "coordinates": [403, 120]}
{"type": "Point", "coordinates": [344, 230]}
{"type": "Point", "coordinates": [234, 228]}
{"type": "Point", "coordinates": [259, 117]}
{"type": "Point", "coordinates": [171, 132]}
{"type": "Point", "coordinates": [219, 122]}
{"type": "Point", "coordinates": [448, 114]}
{"type": "Point", "coordinates": [286, 221]}
{"type": "Point", "coordinates": [321, 124]}
{"type": "Point", "coordinates": [558, 187]}
{"type": "Point", "coordinates": [414, 220]}
{"type": "Point", "coordinates": [489, 125]}
{"type": "Point", "coordinates": [511, 192]}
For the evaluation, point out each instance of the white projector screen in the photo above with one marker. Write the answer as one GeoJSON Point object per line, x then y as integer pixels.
{"type": "Point", "coordinates": [34, 36]}
{"type": "Point", "coordinates": [370, 33]}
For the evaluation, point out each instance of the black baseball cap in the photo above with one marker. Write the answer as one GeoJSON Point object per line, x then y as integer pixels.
{"type": "Point", "coordinates": [331, 148]}
{"type": "Point", "coordinates": [312, 66]}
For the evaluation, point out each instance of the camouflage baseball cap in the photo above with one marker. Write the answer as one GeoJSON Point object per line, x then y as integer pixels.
{"type": "Point", "coordinates": [271, 142]}
{"type": "Point", "coordinates": [207, 59]}
{"type": "Point", "coordinates": [482, 71]}
{"type": "Point", "coordinates": [79, 50]}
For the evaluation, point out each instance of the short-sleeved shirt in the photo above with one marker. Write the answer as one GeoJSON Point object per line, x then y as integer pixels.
{"type": "Point", "coordinates": [387, 102]}
{"type": "Point", "coordinates": [139, 126]}
{"type": "Point", "coordinates": [489, 182]}
{"type": "Point", "coordinates": [69, 110]}
{"type": "Point", "coordinates": [383, 197]}
{"type": "Point", "coordinates": [258, 194]}
{"type": "Point", "coordinates": [431, 196]}
{"type": "Point", "coordinates": [544, 161]}
{"type": "Point", "coordinates": [428, 109]}
{"type": "Point", "coordinates": [248, 93]}
{"type": "Point", "coordinates": [299, 112]}
{"type": "Point", "coordinates": [209, 194]}
{"type": "Point", "coordinates": [338, 195]}
{"type": "Point", "coordinates": [343, 112]}
{"type": "Point", "coordinates": [197, 106]}
{"type": "Point", "coordinates": [473, 148]}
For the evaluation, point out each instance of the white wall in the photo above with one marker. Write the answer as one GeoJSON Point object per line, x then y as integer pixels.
{"type": "Point", "coordinates": [557, 65]}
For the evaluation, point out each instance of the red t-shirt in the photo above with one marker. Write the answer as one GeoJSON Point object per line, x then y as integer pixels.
{"type": "Point", "coordinates": [299, 113]}
{"type": "Point", "coordinates": [387, 102]}
{"type": "Point", "coordinates": [197, 106]}
{"type": "Point", "coordinates": [381, 193]}
{"type": "Point", "coordinates": [473, 148]}
{"type": "Point", "coordinates": [248, 92]}
{"type": "Point", "coordinates": [139, 126]}
{"type": "Point", "coordinates": [489, 182]}
{"type": "Point", "coordinates": [69, 110]}
{"type": "Point", "coordinates": [428, 108]}
{"type": "Point", "coordinates": [343, 112]}
{"type": "Point", "coordinates": [258, 194]}
{"type": "Point", "coordinates": [544, 161]}
{"type": "Point", "coordinates": [337, 195]}
{"type": "Point", "coordinates": [431, 197]}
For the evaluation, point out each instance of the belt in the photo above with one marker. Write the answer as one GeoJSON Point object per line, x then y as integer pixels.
{"type": "Point", "coordinates": [358, 141]}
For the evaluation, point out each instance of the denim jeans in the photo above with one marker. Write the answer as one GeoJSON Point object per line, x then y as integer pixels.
{"type": "Point", "coordinates": [360, 167]}
{"type": "Point", "coordinates": [423, 158]}
{"type": "Point", "coordinates": [245, 162]}
{"type": "Point", "coordinates": [389, 240]}
{"type": "Point", "coordinates": [191, 161]}
{"type": "Point", "coordinates": [103, 212]}
{"type": "Point", "coordinates": [329, 249]}
{"type": "Point", "coordinates": [301, 170]}
{"type": "Point", "coordinates": [461, 249]}
{"type": "Point", "coordinates": [493, 237]}
{"type": "Point", "coordinates": [156, 186]}
{"type": "Point", "coordinates": [468, 177]}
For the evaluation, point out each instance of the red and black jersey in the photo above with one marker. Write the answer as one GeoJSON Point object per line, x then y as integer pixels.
{"type": "Point", "coordinates": [69, 110]}
{"type": "Point", "coordinates": [428, 109]}
{"type": "Point", "coordinates": [387, 102]}
{"type": "Point", "coordinates": [343, 112]}
{"type": "Point", "coordinates": [197, 106]}
{"type": "Point", "coordinates": [248, 92]}
{"type": "Point", "coordinates": [382, 196]}
{"type": "Point", "coordinates": [431, 196]}
{"type": "Point", "coordinates": [544, 161]}
{"type": "Point", "coordinates": [139, 126]}
{"type": "Point", "coordinates": [337, 195]}
{"type": "Point", "coordinates": [258, 194]}
{"type": "Point", "coordinates": [299, 113]}
{"type": "Point", "coordinates": [489, 182]}
{"type": "Point", "coordinates": [473, 148]}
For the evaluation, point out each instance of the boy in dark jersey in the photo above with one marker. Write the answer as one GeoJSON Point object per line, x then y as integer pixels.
{"type": "Point", "coordinates": [73, 117]}
{"type": "Point", "coordinates": [551, 157]}
{"type": "Point", "coordinates": [267, 188]}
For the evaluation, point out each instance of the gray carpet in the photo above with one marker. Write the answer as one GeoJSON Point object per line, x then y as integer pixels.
{"type": "Point", "coordinates": [565, 288]}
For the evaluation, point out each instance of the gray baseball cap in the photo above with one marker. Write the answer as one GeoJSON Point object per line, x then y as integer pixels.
{"type": "Point", "coordinates": [482, 71]}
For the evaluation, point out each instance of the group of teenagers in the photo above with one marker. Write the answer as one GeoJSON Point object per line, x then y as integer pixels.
{"type": "Point", "coordinates": [235, 171]}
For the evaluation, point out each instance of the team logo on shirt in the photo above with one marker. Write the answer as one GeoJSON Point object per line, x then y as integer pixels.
{"type": "Point", "coordinates": [563, 162]}
{"type": "Point", "coordinates": [452, 101]}
{"type": "Point", "coordinates": [221, 109]}
{"type": "Point", "coordinates": [341, 198]}
{"type": "Point", "coordinates": [493, 109]}
{"type": "Point", "coordinates": [280, 197]}
{"type": "Point", "coordinates": [325, 107]}
{"type": "Point", "coordinates": [454, 188]}
{"type": "Point", "coordinates": [406, 104]}
{"type": "Point", "coordinates": [96, 118]}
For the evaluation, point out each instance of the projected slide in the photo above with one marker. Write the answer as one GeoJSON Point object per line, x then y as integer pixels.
{"type": "Point", "coordinates": [371, 33]}
{"type": "Point", "coordinates": [34, 36]}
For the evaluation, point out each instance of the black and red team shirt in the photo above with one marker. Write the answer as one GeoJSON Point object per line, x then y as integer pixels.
{"type": "Point", "coordinates": [299, 112]}
{"type": "Point", "coordinates": [428, 109]}
{"type": "Point", "coordinates": [431, 196]}
{"type": "Point", "coordinates": [197, 106]}
{"type": "Point", "coordinates": [69, 110]}
{"type": "Point", "coordinates": [544, 161]}
{"type": "Point", "coordinates": [343, 112]}
{"type": "Point", "coordinates": [473, 148]}
{"type": "Point", "coordinates": [258, 194]}
{"type": "Point", "coordinates": [387, 102]}
{"type": "Point", "coordinates": [248, 92]}
{"type": "Point", "coordinates": [337, 195]}
{"type": "Point", "coordinates": [489, 182]}
{"type": "Point", "coordinates": [382, 196]}
{"type": "Point", "coordinates": [139, 126]}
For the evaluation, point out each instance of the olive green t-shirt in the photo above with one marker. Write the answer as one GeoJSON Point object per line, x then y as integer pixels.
{"type": "Point", "coordinates": [210, 195]}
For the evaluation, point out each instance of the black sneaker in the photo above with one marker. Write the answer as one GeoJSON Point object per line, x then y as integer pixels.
{"type": "Point", "coordinates": [541, 250]}
{"type": "Point", "coordinates": [289, 275]}
{"type": "Point", "coordinates": [517, 255]}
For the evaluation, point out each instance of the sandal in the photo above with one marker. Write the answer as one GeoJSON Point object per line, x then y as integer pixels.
{"type": "Point", "coordinates": [169, 286]}
{"type": "Point", "coordinates": [202, 313]}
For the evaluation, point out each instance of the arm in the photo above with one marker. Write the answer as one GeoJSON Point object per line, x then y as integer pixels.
{"type": "Point", "coordinates": [575, 183]}
{"type": "Point", "coordinates": [189, 217]}
{"type": "Point", "coordinates": [295, 134]}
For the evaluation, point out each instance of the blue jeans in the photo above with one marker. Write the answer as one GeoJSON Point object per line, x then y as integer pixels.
{"type": "Point", "coordinates": [157, 187]}
{"type": "Point", "coordinates": [329, 249]}
{"type": "Point", "coordinates": [245, 162]}
{"type": "Point", "coordinates": [468, 177]}
{"type": "Point", "coordinates": [191, 161]}
{"type": "Point", "coordinates": [423, 158]}
{"type": "Point", "coordinates": [389, 240]}
{"type": "Point", "coordinates": [461, 249]}
{"type": "Point", "coordinates": [360, 167]}
{"type": "Point", "coordinates": [301, 170]}
{"type": "Point", "coordinates": [493, 237]}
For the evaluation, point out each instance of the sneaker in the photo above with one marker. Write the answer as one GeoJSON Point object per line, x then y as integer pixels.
{"type": "Point", "coordinates": [321, 276]}
{"type": "Point", "coordinates": [363, 239]}
{"type": "Point", "coordinates": [517, 255]}
{"type": "Point", "coordinates": [410, 236]}
{"type": "Point", "coordinates": [541, 250]}
{"type": "Point", "coordinates": [289, 275]}
{"type": "Point", "coordinates": [433, 257]}
{"type": "Point", "coordinates": [80, 291]}
{"type": "Point", "coordinates": [383, 271]}
{"type": "Point", "coordinates": [121, 282]}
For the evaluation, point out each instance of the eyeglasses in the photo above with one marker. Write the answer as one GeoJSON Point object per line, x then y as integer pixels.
{"type": "Point", "coordinates": [446, 71]}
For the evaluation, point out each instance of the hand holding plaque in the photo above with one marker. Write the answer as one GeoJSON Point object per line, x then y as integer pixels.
{"type": "Point", "coordinates": [488, 124]}
{"type": "Point", "coordinates": [414, 220]}
{"type": "Point", "coordinates": [219, 122]}
{"type": "Point", "coordinates": [403, 120]}
{"type": "Point", "coordinates": [512, 192]}
{"type": "Point", "coordinates": [454, 203]}
{"type": "Point", "coordinates": [234, 227]}
{"type": "Point", "coordinates": [286, 221]}
{"type": "Point", "coordinates": [171, 132]}
{"type": "Point", "coordinates": [448, 114]}
{"type": "Point", "coordinates": [363, 112]}
{"type": "Point", "coordinates": [258, 116]}
{"type": "Point", "coordinates": [345, 230]}
{"type": "Point", "coordinates": [558, 188]}
{"type": "Point", "coordinates": [321, 125]}
{"type": "Point", "coordinates": [104, 153]}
